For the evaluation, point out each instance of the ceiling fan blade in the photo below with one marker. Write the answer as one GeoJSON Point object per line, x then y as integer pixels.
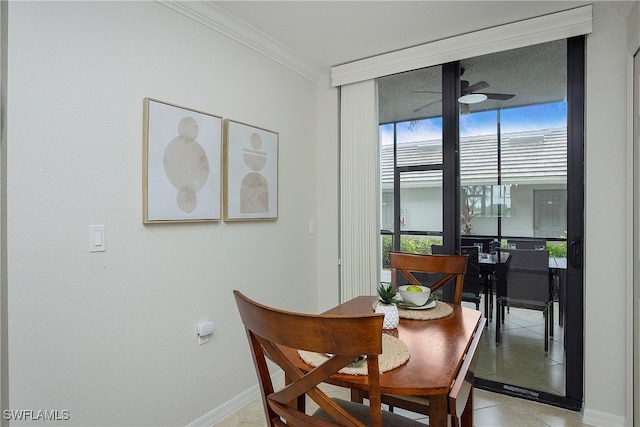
{"type": "Point", "coordinates": [473, 88]}
{"type": "Point", "coordinates": [499, 96]}
{"type": "Point", "coordinates": [417, 110]}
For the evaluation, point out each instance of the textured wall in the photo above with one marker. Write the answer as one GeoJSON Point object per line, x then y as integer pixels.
{"type": "Point", "coordinates": [110, 336]}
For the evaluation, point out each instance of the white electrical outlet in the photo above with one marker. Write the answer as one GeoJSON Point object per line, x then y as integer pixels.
{"type": "Point", "coordinates": [204, 329]}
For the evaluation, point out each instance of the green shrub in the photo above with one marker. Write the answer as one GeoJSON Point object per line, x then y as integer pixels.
{"type": "Point", "coordinates": [422, 245]}
{"type": "Point", "coordinates": [416, 245]}
{"type": "Point", "coordinates": [557, 249]}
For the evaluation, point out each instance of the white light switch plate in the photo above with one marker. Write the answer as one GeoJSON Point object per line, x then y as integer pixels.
{"type": "Point", "coordinates": [97, 241]}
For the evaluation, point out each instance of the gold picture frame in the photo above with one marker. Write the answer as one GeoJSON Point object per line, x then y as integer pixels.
{"type": "Point", "coordinates": [181, 164]}
{"type": "Point", "coordinates": [250, 172]}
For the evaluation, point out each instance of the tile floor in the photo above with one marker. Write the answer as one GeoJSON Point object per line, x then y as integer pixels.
{"type": "Point", "coordinates": [519, 359]}
{"type": "Point", "coordinates": [491, 410]}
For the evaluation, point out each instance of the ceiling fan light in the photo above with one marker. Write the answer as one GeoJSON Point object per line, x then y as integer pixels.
{"type": "Point", "coordinates": [472, 98]}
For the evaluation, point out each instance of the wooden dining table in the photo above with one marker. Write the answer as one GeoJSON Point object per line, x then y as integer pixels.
{"type": "Point", "coordinates": [441, 365]}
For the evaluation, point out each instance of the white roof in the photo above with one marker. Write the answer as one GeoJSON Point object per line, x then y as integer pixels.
{"type": "Point", "coordinates": [527, 157]}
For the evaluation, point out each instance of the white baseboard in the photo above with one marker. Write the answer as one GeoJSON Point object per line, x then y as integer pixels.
{"type": "Point", "coordinates": [223, 411]}
{"type": "Point", "coordinates": [602, 419]}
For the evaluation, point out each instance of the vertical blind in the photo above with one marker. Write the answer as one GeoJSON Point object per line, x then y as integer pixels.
{"type": "Point", "coordinates": [359, 190]}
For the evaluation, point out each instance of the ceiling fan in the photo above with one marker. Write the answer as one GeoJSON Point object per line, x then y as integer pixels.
{"type": "Point", "coordinates": [469, 94]}
{"type": "Point", "coordinates": [466, 90]}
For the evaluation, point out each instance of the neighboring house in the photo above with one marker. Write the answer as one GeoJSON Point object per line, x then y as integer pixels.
{"type": "Point", "coordinates": [531, 198]}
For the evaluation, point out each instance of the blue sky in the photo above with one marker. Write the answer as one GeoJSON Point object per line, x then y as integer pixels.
{"type": "Point", "coordinates": [534, 117]}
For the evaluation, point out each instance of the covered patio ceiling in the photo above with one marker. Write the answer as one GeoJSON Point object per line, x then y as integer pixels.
{"type": "Point", "coordinates": [535, 75]}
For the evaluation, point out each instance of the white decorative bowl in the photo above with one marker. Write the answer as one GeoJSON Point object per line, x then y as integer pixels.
{"type": "Point", "coordinates": [417, 298]}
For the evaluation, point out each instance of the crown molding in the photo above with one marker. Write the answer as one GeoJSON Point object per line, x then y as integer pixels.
{"type": "Point", "coordinates": [228, 25]}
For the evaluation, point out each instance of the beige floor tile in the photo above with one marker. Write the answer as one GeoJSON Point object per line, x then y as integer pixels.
{"type": "Point", "coordinates": [491, 410]}
{"type": "Point", "coordinates": [251, 415]}
{"type": "Point", "coordinates": [519, 360]}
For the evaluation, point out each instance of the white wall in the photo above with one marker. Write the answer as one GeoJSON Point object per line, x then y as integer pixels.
{"type": "Point", "coordinates": [423, 208]}
{"type": "Point", "coordinates": [424, 211]}
{"type": "Point", "coordinates": [110, 336]}
{"type": "Point", "coordinates": [605, 215]}
{"type": "Point", "coordinates": [633, 304]}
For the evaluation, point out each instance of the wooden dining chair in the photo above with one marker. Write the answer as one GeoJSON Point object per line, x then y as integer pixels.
{"type": "Point", "coordinates": [344, 337]}
{"type": "Point", "coordinates": [433, 271]}
{"type": "Point", "coordinates": [443, 269]}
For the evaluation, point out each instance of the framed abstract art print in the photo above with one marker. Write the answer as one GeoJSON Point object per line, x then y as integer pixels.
{"type": "Point", "coordinates": [182, 164]}
{"type": "Point", "coordinates": [251, 172]}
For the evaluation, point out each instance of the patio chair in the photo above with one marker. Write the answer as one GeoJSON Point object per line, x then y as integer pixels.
{"type": "Point", "coordinates": [473, 241]}
{"type": "Point", "coordinates": [527, 243]}
{"type": "Point", "coordinates": [473, 286]}
{"type": "Point", "coordinates": [523, 282]}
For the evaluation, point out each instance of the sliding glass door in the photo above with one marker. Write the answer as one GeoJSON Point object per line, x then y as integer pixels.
{"type": "Point", "coordinates": [490, 148]}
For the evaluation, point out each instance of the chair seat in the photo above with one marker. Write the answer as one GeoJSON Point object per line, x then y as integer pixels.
{"type": "Point", "coordinates": [471, 297]}
{"type": "Point", "coordinates": [361, 413]}
{"type": "Point", "coordinates": [528, 304]}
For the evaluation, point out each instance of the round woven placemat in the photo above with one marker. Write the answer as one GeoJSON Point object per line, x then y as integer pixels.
{"type": "Point", "coordinates": [442, 309]}
{"type": "Point", "coordinates": [394, 354]}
